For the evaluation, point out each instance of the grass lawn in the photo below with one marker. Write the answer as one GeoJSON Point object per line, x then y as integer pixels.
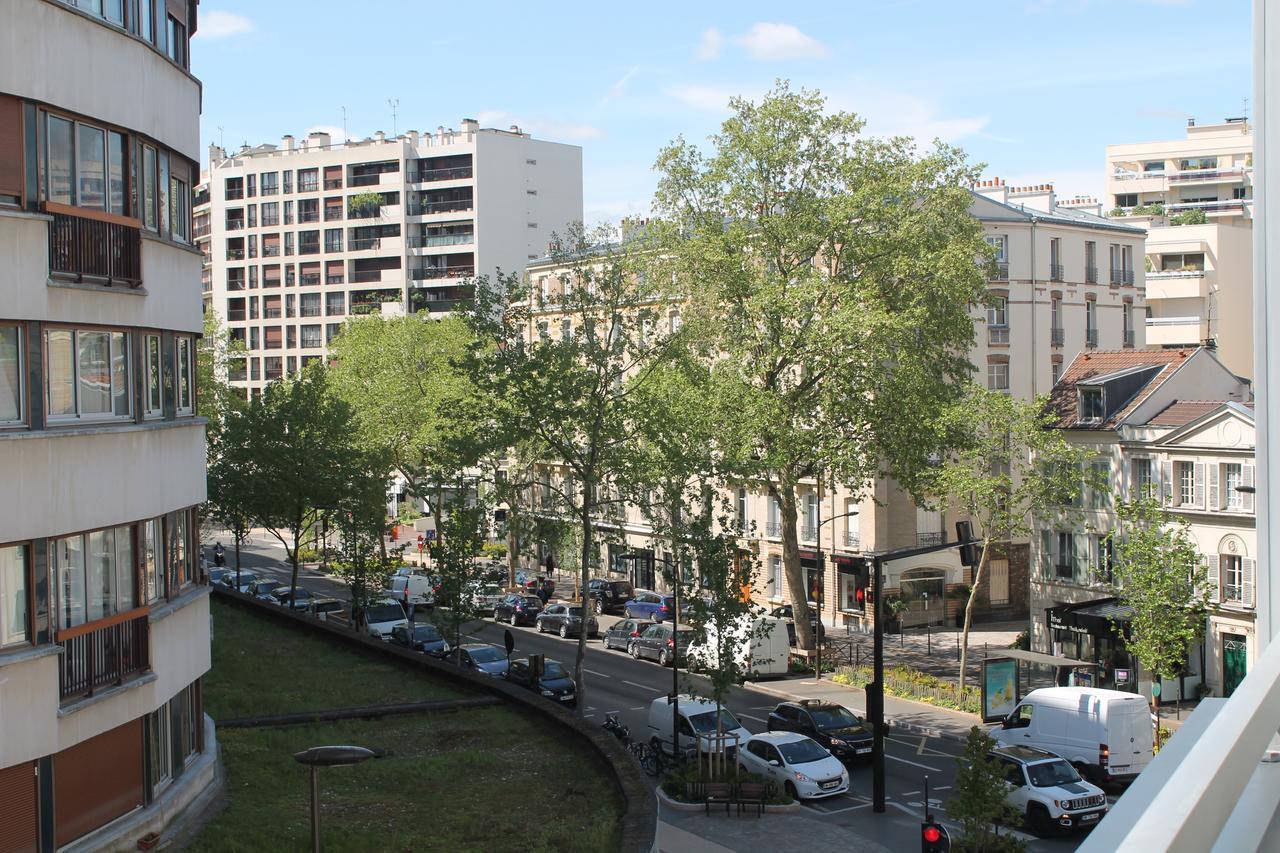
{"type": "Point", "coordinates": [490, 779]}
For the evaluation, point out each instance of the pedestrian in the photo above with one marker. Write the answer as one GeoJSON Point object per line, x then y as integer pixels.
{"type": "Point", "coordinates": [544, 594]}
{"type": "Point", "coordinates": [219, 555]}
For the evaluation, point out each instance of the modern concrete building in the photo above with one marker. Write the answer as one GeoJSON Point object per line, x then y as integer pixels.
{"type": "Point", "coordinates": [1195, 197]}
{"type": "Point", "coordinates": [104, 622]}
{"type": "Point", "coordinates": [299, 237]}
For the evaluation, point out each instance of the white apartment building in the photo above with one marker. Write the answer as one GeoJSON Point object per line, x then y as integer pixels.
{"type": "Point", "coordinates": [104, 620]}
{"type": "Point", "coordinates": [1199, 276]}
{"type": "Point", "coordinates": [1066, 280]}
{"type": "Point", "coordinates": [1176, 424]}
{"type": "Point", "coordinates": [299, 237]}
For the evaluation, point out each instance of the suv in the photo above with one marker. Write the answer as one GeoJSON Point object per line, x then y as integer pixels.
{"type": "Point", "coordinates": [1048, 790]}
{"type": "Point", "coordinates": [518, 609]}
{"type": "Point", "coordinates": [841, 731]}
{"type": "Point", "coordinates": [608, 596]}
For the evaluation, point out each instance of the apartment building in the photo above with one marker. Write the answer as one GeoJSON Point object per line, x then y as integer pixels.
{"type": "Point", "coordinates": [1176, 424]}
{"type": "Point", "coordinates": [1195, 198]}
{"type": "Point", "coordinates": [298, 237]}
{"type": "Point", "coordinates": [1066, 279]}
{"type": "Point", "coordinates": [104, 622]}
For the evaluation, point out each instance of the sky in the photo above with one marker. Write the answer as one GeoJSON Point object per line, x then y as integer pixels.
{"type": "Point", "coordinates": [1034, 89]}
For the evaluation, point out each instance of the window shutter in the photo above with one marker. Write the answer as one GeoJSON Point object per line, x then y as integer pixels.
{"type": "Point", "coordinates": [1167, 488]}
{"type": "Point", "coordinates": [1247, 575]}
{"type": "Point", "coordinates": [1046, 553]}
{"type": "Point", "coordinates": [1215, 579]}
{"type": "Point", "coordinates": [1080, 556]}
{"type": "Point", "coordinates": [1215, 501]}
{"type": "Point", "coordinates": [1197, 488]}
{"type": "Point", "coordinates": [1246, 474]}
{"type": "Point", "coordinates": [11, 146]}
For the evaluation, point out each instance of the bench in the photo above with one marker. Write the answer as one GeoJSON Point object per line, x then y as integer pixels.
{"type": "Point", "coordinates": [751, 794]}
{"type": "Point", "coordinates": [717, 793]}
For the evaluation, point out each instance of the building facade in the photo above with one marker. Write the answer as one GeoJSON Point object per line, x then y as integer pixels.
{"type": "Point", "coordinates": [104, 624]}
{"type": "Point", "coordinates": [299, 237]}
{"type": "Point", "coordinates": [1195, 197]}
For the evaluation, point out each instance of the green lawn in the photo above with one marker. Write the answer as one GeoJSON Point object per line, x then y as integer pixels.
{"type": "Point", "coordinates": [490, 779]}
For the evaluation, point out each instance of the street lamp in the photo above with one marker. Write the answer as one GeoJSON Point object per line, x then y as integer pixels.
{"type": "Point", "coordinates": [327, 756]}
{"type": "Point", "coordinates": [817, 640]}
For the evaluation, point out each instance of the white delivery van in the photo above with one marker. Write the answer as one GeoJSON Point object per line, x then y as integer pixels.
{"type": "Point", "coordinates": [419, 585]}
{"type": "Point", "coordinates": [1106, 734]}
{"type": "Point", "coordinates": [697, 723]}
{"type": "Point", "coordinates": [381, 616]}
{"type": "Point", "coordinates": [762, 647]}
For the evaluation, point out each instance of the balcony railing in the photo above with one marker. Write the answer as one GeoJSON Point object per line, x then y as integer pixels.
{"type": "Point", "coordinates": [309, 248]}
{"type": "Point", "coordinates": [1230, 205]}
{"type": "Point", "coordinates": [1055, 272]}
{"type": "Point", "coordinates": [270, 314]}
{"type": "Point", "coordinates": [1205, 175]}
{"type": "Point", "coordinates": [365, 276]}
{"type": "Point", "coordinates": [233, 195]}
{"type": "Point", "coordinates": [808, 532]}
{"type": "Point", "coordinates": [335, 279]}
{"type": "Point", "coordinates": [773, 528]}
{"type": "Point", "coordinates": [1091, 338]}
{"type": "Point", "coordinates": [235, 224]}
{"type": "Point", "coordinates": [1091, 274]}
{"type": "Point", "coordinates": [102, 653]}
{"type": "Point", "coordinates": [1128, 337]}
{"type": "Point", "coordinates": [333, 183]}
{"type": "Point", "coordinates": [1121, 276]}
{"type": "Point", "coordinates": [423, 242]}
{"type": "Point", "coordinates": [426, 208]}
{"type": "Point", "coordinates": [94, 249]}
{"type": "Point", "coordinates": [1000, 271]}
{"type": "Point", "coordinates": [1057, 337]}
{"type": "Point", "coordinates": [925, 540]}
{"type": "Point", "coordinates": [305, 216]}
{"type": "Point", "coordinates": [365, 243]}
{"type": "Point", "coordinates": [428, 273]}
{"type": "Point", "coordinates": [235, 254]}
{"type": "Point", "coordinates": [365, 180]}
{"type": "Point", "coordinates": [236, 315]}
{"type": "Point", "coordinates": [309, 278]}
{"type": "Point", "coordinates": [998, 334]}
{"type": "Point", "coordinates": [271, 251]}
{"type": "Point", "coordinates": [1166, 274]}
{"type": "Point", "coordinates": [455, 174]}
{"type": "Point", "coordinates": [852, 540]}
{"type": "Point", "coordinates": [332, 247]}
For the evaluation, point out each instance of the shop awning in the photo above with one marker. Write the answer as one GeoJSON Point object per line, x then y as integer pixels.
{"type": "Point", "coordinates": [1099, 617]}
{"type": "Point", "coordinates": [1040, 658]}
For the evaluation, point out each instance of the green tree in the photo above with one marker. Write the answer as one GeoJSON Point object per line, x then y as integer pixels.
{"type": "Point", "coordinates": [454, 553]}
{"type": "Point", "coordinates": [215, 398]}
{"type": "Point", "coordinates": [979, 803]}
{"type": "Point", "coordinates": [364, 563]}
{"type": "Point", "coordinates": [1009, 466]}
{"type": "Point", "coordinates": [829, 278]}
{"type": "Point", "coordinates": [230, 482]}
{"type": "Point", "coordinates": [1159, 573]}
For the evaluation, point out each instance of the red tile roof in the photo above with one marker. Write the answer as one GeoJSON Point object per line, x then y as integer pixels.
{"type": "Point", "coordinates": [1182, 412]}
{"type": "Point", "coordinates": [1063, 399]}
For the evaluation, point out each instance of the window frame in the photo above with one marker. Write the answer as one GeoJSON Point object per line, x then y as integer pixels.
{"type": "Point", "coordinates": [8, 637]}
{"type": "Point", "coordinates": [21, 366]}
{"type": "Point", "coordinates": [78, 416]}
{"type": "Point", "coordinates": [185, 384]}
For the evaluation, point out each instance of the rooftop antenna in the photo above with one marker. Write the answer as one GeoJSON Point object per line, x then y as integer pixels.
{"type": "Point", "coordinates": [1244, 107]}
{"type": "Point", "coordinates": [220, 145]}
{"type": "Point", "coordinates": [393, 104]}
{"type": "Point", "coordinates": [344, 124]}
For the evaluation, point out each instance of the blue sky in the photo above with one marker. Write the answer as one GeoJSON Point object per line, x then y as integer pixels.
{"type": "Point", "coordinates": [1034, 88]}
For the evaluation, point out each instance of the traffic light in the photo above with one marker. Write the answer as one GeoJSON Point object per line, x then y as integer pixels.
{"type": "Point", "coordinates": [969, 554]}
{"type": "Point", "coordinates": [934, 838]}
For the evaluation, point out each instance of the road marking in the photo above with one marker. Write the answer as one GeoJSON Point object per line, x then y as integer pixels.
{"type": "Point", "coordinates": [641, 686]}
{"type": "Point", "coordinates": [842, 810]}
{"type": "Point", "coordinates": [943, 788]}
{"type": "Point", "coordinates": [914, 764]}
{"type": "Point", "coordinates": [641, 708]}
{"type": "Point", "coordinates": [909, 793]}
{"type": "Point", "coordinates": [750, 717]}
{"type": "Point", "coordinates": [599, 674]}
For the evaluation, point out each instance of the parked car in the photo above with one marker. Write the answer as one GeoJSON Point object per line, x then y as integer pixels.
{"type": "Point", "coordinates": [608, 596]}
{"type": "Point", "coordinates": [697, 723]}
{"type": "Point", "coordinates": [487, 596]}
{"type": "Point", "coordinates": [262, 588]}
{"type": "Point", "coordinates": [839, 730]}
{"type": "Point", "coordinates": [483, 658]}
{"type": "Point", "coordinates": [380, 617]}
{"type": "Point", "coordinates": [621, 634]}
{"type": "Point", "coordinates": [665, 643]}
{"type": "Point", "coordinates": [419, 585]}
{"type": "Point", "coordinates": [787, 614]}
{"type": "Point", "coordinates": [540, 584]}
{"type": "Point", "coordinates": [1106, 734]}
{"type": "Point", "coordinates": [799, 765]}
{"type": "Point", "coordinates": [554, 682]}
{"type": "Point", "coordinates": [323, 608]}
{"type": "Point", "coordinates": [216, 575]}
{"type": "Point", "coordinates": [1048, 790]}
{"type": "Point", "coordinates": [645, 604]}
{"type": "Point", "coordinates": [425, 638]}
{"type": "Point", "coordinates": [760, 647]}
{"type": "Point", "coordinates": [518, 609]}
{"type": "Point", "coordinates": [245, 579]}
{"type": "Point", "coordinates": [565, 619]}
{"type": "Point", "coordinates": [301, 597]}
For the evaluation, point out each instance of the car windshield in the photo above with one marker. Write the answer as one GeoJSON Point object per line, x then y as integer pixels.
{"type": "Point", "coordinates": [802, 751]}
{"type": "Point", "coordinates": [552, 669]}
{"type": "Point", "coordinates": [426, 633]}
{"type": "Point", "coordinates": [486, 654]}
{"type": "Point", "coordinates": [1049, 774]}
{"type": "Point", "coordinates": [706, 722]}
{"type": "Point", "coordinates": [835, 718]}
{"type": "Point", "coordinates": [245, 578]}
{"type": "Point", "coordinates": [384, 613]}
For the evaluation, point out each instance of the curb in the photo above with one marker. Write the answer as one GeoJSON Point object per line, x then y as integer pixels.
{"type": "Point", "coordinates": [894, 722]}
{"type": "Point", "coordinates": [665, 802]}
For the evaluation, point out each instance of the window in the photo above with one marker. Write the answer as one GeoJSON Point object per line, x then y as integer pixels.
{"type": "Point", "coordinates": [335, 304]}
{"type": "Point", "coordinates": [1091, 316]}
{"type": "Point", "coordinates": [1055, 370]}
{"type": "Point", "coordinates": [1184, 475]}
{"type": "Point", "coordinates": [1065, 557]}
{"type": "Point", "coordinates": [1091, 404]}
{"type": "Point", "coordinates": [744, 523]}
{"type": "Point", "coordinates": [11, 379]}
{"type": "Point", "coordinates": [333, 239]}
{"type": "Point", "coordinates": [775, 577]}
{"type": "Point", "coordinates": [270, 183]}
{"type": "Point", "coordinates": [1091, 262]}
{"type": "Point", "coordinates": [311, 337]}
{"type": "Point", "coordinates": [94, 573]}
{"type": "Point", "coordinates": [147, 20]}
{"type": "Point", "coordinates": [998, 376]}
{"type": "Point", "coordinates": [87, 373]}
{"type": "Point", "coordinates": [153, 558]}
{"type": "Point", "coordinates": [91, 167]}
{"type": "Point", "coordinates": [544, 330]}
{"type": "Point", "coordinates": [1001, 245]}
{"type": "Point", "coordinates": [1142, 472]}
{"type": "Point", "coordinates": [998, 311]}
{"type": "Point", "coordinates": [288, 210]}
{"type": "Point", "coordinates": [116, 195]}
{"type": "Point", "coordinates": [566, 329]}
{"type": "Point", "coordinates": [1126, 199]}
{"type": "Point", "coordinates": [773, 526]}
{"type": "Point", "coordinates": [180, 556]}
{"type": "Point", "coordinates": [331, 331]}
{"type": "Point", "coordinates": [1055, 258]}
{"type": "Point", "coordinates": [308, 180]}
{"type": "Point", "coordinates": [59, 166]}
{"type": "Point", "coordinates": [13, 595]}
{"type": "Point", "coordinates": [186, 403]}
{"type": "Point", "coordinates": [1100, 495]}
{"type": "Point", "coordinates": [153, 404]}
{"type": "Point", "coordinates": [253, 217]}
{"type": "Point", "coordinates": [177, 42]}
{"type": "Point", "coordinates": [1232, 480]}
{"type": "Point", "coordinates": [1231, 568]}
{"type": "Point", "coordinates": [271, 213]}
{"type": "Point", "coordinates": [251, 186]}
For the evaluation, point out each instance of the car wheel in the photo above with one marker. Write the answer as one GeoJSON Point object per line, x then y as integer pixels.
{"type": "Point", "coordinates": [538, 624]}
{"type": "Point", "coordinates": [514, 621]}
{"type": "Point", "coordinates": [626, 611]}
{"type": "Point", "coordinates": [634, 650]}
{"type": "Point", "coordinates": [564, 632]}
{"type": "Point", "coordinates": [663, 658]}
{"type": "Point", "coordinates": [791, 792]}
{"type": "Point", "coordinates": [1038, 820]}
{"type": "Point", "coordinates": [599, 607]}
{"type": "Point", "coordinates": [653, 616]}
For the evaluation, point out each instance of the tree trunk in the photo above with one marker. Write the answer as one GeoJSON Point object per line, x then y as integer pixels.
{"type": "Point", "coordinates": [513, 546]}
{"type": "Point", "coordinates": [293, 562]}
{"type": "Point", "coordinates": [799, 591]}
{"type": "Point", "coordinates": [580, 661]}
{"type": "Point", "coordinates": [238, 533]}
{"type": "Point", "coordinates": [968, 612]}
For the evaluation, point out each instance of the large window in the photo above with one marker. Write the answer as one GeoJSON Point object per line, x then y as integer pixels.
{"type": "Point", "coordinates": [998, 376]}
{"type": "Point", "coordinates": [775, 577]}
{"type": "Point", "coordinates": [186, 403]}
{"type": "Point", "coordinates": [61, 160]}
{"type": "Point", "coordinates": [1184, 474]}
{"type": "Point", "coordinates": [1092, 406]}
{"type": "Point", "coordinates": [153, 558]}
{"type": "Point", "coordinates": [1231, 567]}
{"type": "Point", "coordinates": [85, 165]}
{"type": "Point", "coordinates": [95, 575]}
{"type": "Point", "coordinates": [180, 556]}
{"type": "Point", "coordinates": [1143, 478]}
{"type": "Point", "coordinates": [1232, 480]}
{"type": "Point", "coordinates": [998, 311]}
{"type": "Point", "coordinates": [87, 373]}
{"type": "Point", "coordinates": [13, 595]}
{"type": "Point", "coordinates": [11, 381]}
{"type": "Point", "coordinates": [153, 403]}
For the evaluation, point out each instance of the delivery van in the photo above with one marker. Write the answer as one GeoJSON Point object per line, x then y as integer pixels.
{"type": "Point", "coordinates": [697, 726]}
{"type": "Point", "coordinates": [762, 647]}
{"type": "Point", "coordinates": [1106, 734]}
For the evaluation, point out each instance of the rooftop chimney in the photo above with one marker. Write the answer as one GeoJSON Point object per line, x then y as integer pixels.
{"type": "Point", "coordinates": [470, 126]}
{"type": "Point", "coordinates": [440, 134]}
{"type": "Point", "coordinates": [1191, 122]}
{"type": "Point", "coordinates": [413, 137]}
{"type": "Point", "coordinates": [317, 139]}
{"type": "Point", "coordinates": [380, 137]}
{"type": "Point", "coordinates": [286, 142]}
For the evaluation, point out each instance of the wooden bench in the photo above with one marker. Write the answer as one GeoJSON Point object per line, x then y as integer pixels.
{"type": "Point", "coordinates": [751, 794]}
{"type": "Point", "coordinates": [717, 793]}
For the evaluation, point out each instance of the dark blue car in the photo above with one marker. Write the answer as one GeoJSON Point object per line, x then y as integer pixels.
{"type": "Point", "coordinates": [554, 683]}
{"type": "Point", "coordinates": [650, 605]}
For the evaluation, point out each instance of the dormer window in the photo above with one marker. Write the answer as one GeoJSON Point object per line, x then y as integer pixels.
{"type": "Point", "coordinates": [1091, 404]}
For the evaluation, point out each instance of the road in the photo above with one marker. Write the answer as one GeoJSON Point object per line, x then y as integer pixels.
{"type": "Point", "coordinates": [616, 683]}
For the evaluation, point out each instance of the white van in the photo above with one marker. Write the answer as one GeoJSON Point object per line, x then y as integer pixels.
{"type": "Point", "coordinates": [381, 616]}
{"type": "Point", "coordinates": [1106, 734]}
{"type": "Point", "coordinates": [762, 645]}
{"type": "Point", "coordinates": [419, 585]}
{"type": "Point", "coordinates": [697, 722]}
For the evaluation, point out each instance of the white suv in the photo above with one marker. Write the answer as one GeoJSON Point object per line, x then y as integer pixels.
{"type": "Point", "coordinates": [1048, 790]}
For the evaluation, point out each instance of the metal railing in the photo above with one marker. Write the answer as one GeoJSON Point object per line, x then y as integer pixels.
{"type": "Point", "coordinates": [270, 313]}
{"type": "Point", "coordinates": [425, 241]}
{"type": "Point", "coordinates": [309, 278]}
{"type": "Point", "coordinates": [773, 528]}
{"type": "Point", "coordinates": [365, 180]}
{"type": "Point", "coordinates": [308, 310]}
{"type": "Point", "coordinates": [102, 653]}
{"type": "Point", "coordinates": [808, 532]}
{"type": "Point", "coordinates": [1121, 276]}
{"type": "Point", "coordinates": [235, 224]}
{"type": "Point", "coordinates": [305, 216]}
{"type": "Point", "coordinates": [333, 246]}
{"type": "Point", "coordinates": [1057, 337]}
{"type": "Point", "coordinates": [426, 208]}
{"type": "Point", "coordinates": [1182, 177]}
{"type": "Point", "coordinates": [335, 279]}
{"type": "Point", "coordinates": [271, 250]}
{"type": "Point", "coordinates": [428, 273]}
{"type": "Point", "coordinates": [233, 195]}
{"type": "Point", "coordinates": [1091, 337]}
{"type": "Point", "coordinates": [454, 174]}
{"type": "Point", "coordinates": [364, 276]}
{"type": "Point", "coordinates": [1158, 275]}
{"type": "Point", "coordinates": [852, 540]}
{"type": "Point", "coordinates": [108, 251]}
{"type": "Point", "coordinates": [362, 243]}
{"type": "Point", "coordinates": [997, 334]}
{"type": "Point", "coordinates": [308, 186]}
{"type": "Point", "coordinates": [1056, 272]}
{"type": "Point", "coordinates": [309, 248]}
{"type": "Point", "coordinates": [333, 183]}
{"type": "Point", "coordinates": [235, 254]}
{"type": "Point", "coordinates": [236, 315]}
{"type": "Point", "coordinates": [1223, 206]}
{"type": "Point", "coordinates": [1091, 275]}
{"type": "Point", "coordinates": [924, 540]}
{"type": "Point", "coordinates": [1000, 271]}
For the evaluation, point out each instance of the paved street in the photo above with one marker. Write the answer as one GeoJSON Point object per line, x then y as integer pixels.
{"type": "Point", "coordinates": [616, 683]}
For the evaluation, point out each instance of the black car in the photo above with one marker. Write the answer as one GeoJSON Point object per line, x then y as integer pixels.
{"type": "Point", "coordinates": [518, 609]}
{"type": "Point", "coordinates": [608, 596]}
{"type": "Point", "coordinates": [483, 658]}
{"type": "Point", "coordinates": [787, 614]}
{"type": "Point", "coordinates": [554, 682]}
{"type": "Point", "coordinates": [425, 638]}
{"type": "Point", "coordinates": [841, 731]}
{"type": "Point", "coordinates": [662, 642]}
{"type": "Point", "coordinates": [621, 634]}
{"type": "Point", "coordinates": [302, 597]}
{"type": "Point", "coordinates": [566, 620]}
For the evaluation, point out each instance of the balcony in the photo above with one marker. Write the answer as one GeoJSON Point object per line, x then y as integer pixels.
{"type": "Point", "coordinates": [773, 529]}
{"type": "Point", "coordinates": [235, 254]}
{"type": "Point", "coordinates": [424, 242]}
{"type": "Point", "coordinates": [1186, 331]}
{"type": "Point", "coordinates": [308, 278]}
{"type": "Point", "coordinates": [1202, 176]}
{"type": "Point", "coordinates": [235, 224]}
{"type": "Point", "coordinates": [102, 653]}
{"type": "Point", "coordinates": [852, 540]}
{"type": "Point", "coordinates": [925, 540]}
{"type": "Point", "coordinates": [363, 243]}
{"type": "Point", "coordinates": [365, 276]}
{"type": "Point", "coordinates": [1091, 274]}
{"type": "Point", "coordinates": [428, 208]}
{"type": "Point", "coordinates": [1128, 338]}
{"type": "Point", "coordinates": [333, 184]}
{"type": "Point", "coordinates": [365, 180]}
{"type": "Point", "coordinates": [233, 194]}
{"type": "Point", "coordinates": [431, 273]}
{"type": "Point", "coordinates": [305, 216]}
{"type": "Point", "coordinates": [235, 316]}
{"type": "Point", "coordinates": [808, 533]}
{"type": "Point", "coordinates": [1226, 207]}
{"type": "Point", "coordinates": [1121, 276]}
{"type": "Point", "coordinates": [1000, 272]}
{"type": "Point", "coordinates": [998, 335]}
{"type": "Point", "coordinates": [335, 279]}
{"type": "Point", "coordinates": [458, 173]}
{"type": "Point", "coordinates": [105, 250]}
{"type": "Point", "coordinates": [1056, 272]}
{"type": "Point", "coordinates": [1091, 338]}
{"type": "Point", "coordinates": [271, 250]}
{"type": "Point", "coordinates": [1057, 337]}
{"type": "Point", "coordinates": [1179, 284]}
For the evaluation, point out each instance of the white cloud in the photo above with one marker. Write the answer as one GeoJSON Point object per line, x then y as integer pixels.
{"type": "Point", "coordinates": [709, 45]}
{"type": "Point", "coordinates": [891, 113]}
{"type": "Point", "coordinates": [541, 127]}
{"type": "Point", "coordinates": [217, 24]}
{"type": "Point", "coordinates": [616, 90]}
{"type": "Point", "coordinates": [768, 41]}
{"type": "Point", "coordinates": [711, 99]}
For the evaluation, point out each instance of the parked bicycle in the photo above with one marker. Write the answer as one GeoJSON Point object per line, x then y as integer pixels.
{"type": "Point", "coordinates": [650, 759]}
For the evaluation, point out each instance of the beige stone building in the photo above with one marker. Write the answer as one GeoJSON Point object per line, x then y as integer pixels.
{"type": "Point", "coordinates": [1199, 276]}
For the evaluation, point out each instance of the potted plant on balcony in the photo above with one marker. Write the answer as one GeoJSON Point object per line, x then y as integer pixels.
{"type": "Point", "coordinates": [364, 205]}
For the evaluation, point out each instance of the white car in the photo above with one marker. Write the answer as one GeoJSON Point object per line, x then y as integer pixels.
{"type": "Point", "coordinates": [381, 617]}
{"type": "Point", "coordinates": [1048, 790]}
{"type": "Point", "coordinates": [797, 764]}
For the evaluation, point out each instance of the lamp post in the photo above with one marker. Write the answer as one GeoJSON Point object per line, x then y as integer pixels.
{"type": "Point", "coordinates": [327, 756]}
{"type": "Point", "coordinates": [817, 639]}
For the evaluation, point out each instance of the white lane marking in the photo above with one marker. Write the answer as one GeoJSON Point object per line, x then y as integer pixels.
{"type": "Point", "coordinates": [909, 793]}
{"type": "Point", "coordinates": [598, 674]}
{"type": "Point", "coordinates": [641, 708]}
{"type": "Point", "coordinates": [588, 715]}
{"type": "Point", "coordinates": [943, 788]}
{"type": "Point", "coordinates": [641, 686]}
{"type": "Point", "coordinates": [845, 809]}
{"type": "Point", "coordinates": [749, 717]}
{"type": "Point", "coordinates": [914, 764]}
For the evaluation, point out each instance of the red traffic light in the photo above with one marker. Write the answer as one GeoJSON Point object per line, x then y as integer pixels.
{"type": "Point", "coordinates": [934, 838]}
{"type": "Point", "coordinates": [932, 834]}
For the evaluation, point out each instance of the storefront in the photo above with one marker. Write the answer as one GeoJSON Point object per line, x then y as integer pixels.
{"type": "Point", "coordinates": [851, 576]}
{"type": "Point", "coordinates": [637, 565]}
{"type": "Point", "coordinates": [811, 565]}
{"type": "Point", "coordinates": [924, 591]}
{"type": "Point", "coordinates": [1095, 631]}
